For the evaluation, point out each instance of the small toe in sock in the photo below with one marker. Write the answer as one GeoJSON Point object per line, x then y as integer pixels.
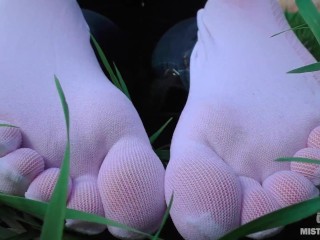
{"type": "Point", "coordinates": [18, 169]}
{"type": "Point", "coordinates": [256, 203]}
{"type": "Point", "coordinates": [85, 197]}
{"type": "Point", "coordinates": [42, 187]}
{"type": "Point", "coordinates": [207, 193]}
{"type": "Point", "coordinates": [289, 188]}
{"type": "Point", "coordinates": [10, 139]}
{"type": "Point", "coordinates": [314, 138]}
{"type": "Point", "coordinates": [309, 170]}
{"type": "Point", "coordinates": [130, 183]}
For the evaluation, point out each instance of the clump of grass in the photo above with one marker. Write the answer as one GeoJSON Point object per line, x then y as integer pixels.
{"type": "Point", "coordinates": [311, 16]}
{"type": "Point", "coordinates": [304, 34]}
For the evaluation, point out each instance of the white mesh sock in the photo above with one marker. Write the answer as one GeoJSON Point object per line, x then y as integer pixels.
{"type": "Point", "coordinates": [243, 112]}
{"type": "Point", "coordinates": [114, 172]}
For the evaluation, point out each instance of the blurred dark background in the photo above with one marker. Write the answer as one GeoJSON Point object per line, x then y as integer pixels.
{"type": "Point", "coordinates": [141, 25]}
{"type": "Point", "coordinates": [129, 42]}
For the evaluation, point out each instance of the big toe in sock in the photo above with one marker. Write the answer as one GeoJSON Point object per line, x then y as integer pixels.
{"type": "Point", "coordinates": [114, 172]}
{"type": "Point", "coordinates": [243, 112]}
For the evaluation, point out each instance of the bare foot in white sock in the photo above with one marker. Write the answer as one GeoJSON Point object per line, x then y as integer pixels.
{"type": "Point", "coordinates": [243, 112]}
{"type": "Point", "coordinates": [114, 171]}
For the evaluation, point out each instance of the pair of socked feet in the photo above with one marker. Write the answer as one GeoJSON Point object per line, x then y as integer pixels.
{"type": "Point", "coordinates": [243, 112]}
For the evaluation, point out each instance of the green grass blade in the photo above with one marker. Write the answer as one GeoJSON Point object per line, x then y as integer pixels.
{"type": "Point", "coordinates": [305, 35]}
{"type": "Point", "coordinates": [73, 214]}
{"type": "Point", "coordinates": [34, 208]}
{"type": "Point", "coordinates": [308, 68]}
{"type": "Point", "coordinates": [7, 125]}
{"type": "Point", "coordinates": [297, 159]}
{"type": "Point", "coordinates": [14, 220]}
{"type": "Point", "coordinates": [278, 218]}
{"type": "Point", "coordinates": [105, 62]}
{"type": "Point", "coordinates": [64, 106]}
{"type": "Point", "coordinates": [155, 136]}
{"type": "Point", "coordinates": [164, 219]}
{"type": "Point", "coordinates": [311, 16]}
{"type": "Point", "coordinates": [38, 209]}
{"type": "Point", "coordinates": [123, 85]}
{"type": "Point", "coordinates": [302, 26]}
{"type": "Point", "coordinates": [56, 210]}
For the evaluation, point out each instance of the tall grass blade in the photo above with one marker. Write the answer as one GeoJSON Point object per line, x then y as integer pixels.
{"type": "Point", "coordinates": [278, 218]}
{"type": "Point", "coordinates": [305, 35]}
{"type": "Point", "coordinates": [73, 214]}
{"type": "Point", "coordinates": [54, 219]}
{"type": "Point", "coordinates": [7, 125]}
{"type": "Point", "coordinates": [308, 68]}
{"type": "Point", "coordinates": [164, 219]}
{"type": "Point", "coordinates": [302, 26]}
{"type": "Point", "coordinates": [38, 209]}
{"type": "Point", "coordinates": [34, 208]}
{"type": "Point", "coordinates": [156, 135]}
{"type": "Point", "coordinates": [311, 16]}
{"type": "Point", "coordinates": [105, 62]}
{"type": "Point", "coordinates": [163, 154]}
{"type": "Point", "coordinates": [297, 159]}
{"type": "Point", "coordinates": [121, 81]}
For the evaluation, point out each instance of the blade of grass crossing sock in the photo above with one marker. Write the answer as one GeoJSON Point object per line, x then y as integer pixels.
{"type": "Point", "coordinates": [123, 85]}
{"type": "Point", "coordinates": [38, 209]}
{"type": "Point", "coordinates": [308, 68]}
{"type": "Point", "coordinates": [73, 214]}
{"type": "Point", "coordinates": [105, 62]}
{"type": "Point", "coordinates": [53, 225]}
{"type": "Point", "coordinates": [275, 219]}
{"type": "Point", "coordinates": [164, 219]}
{"type": "Point", "coordinates": [302, 26]}
{"type": "Point", "coordinates": [7, 125]}
{"type": "Point", "coordinates": [305, 35]}
{"type": "Point", "coordinates": [34, 208]}
{"type": "Point", "coordinates": [297, 159]}
{"type": "Point", "coordinates": [310, 14]}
